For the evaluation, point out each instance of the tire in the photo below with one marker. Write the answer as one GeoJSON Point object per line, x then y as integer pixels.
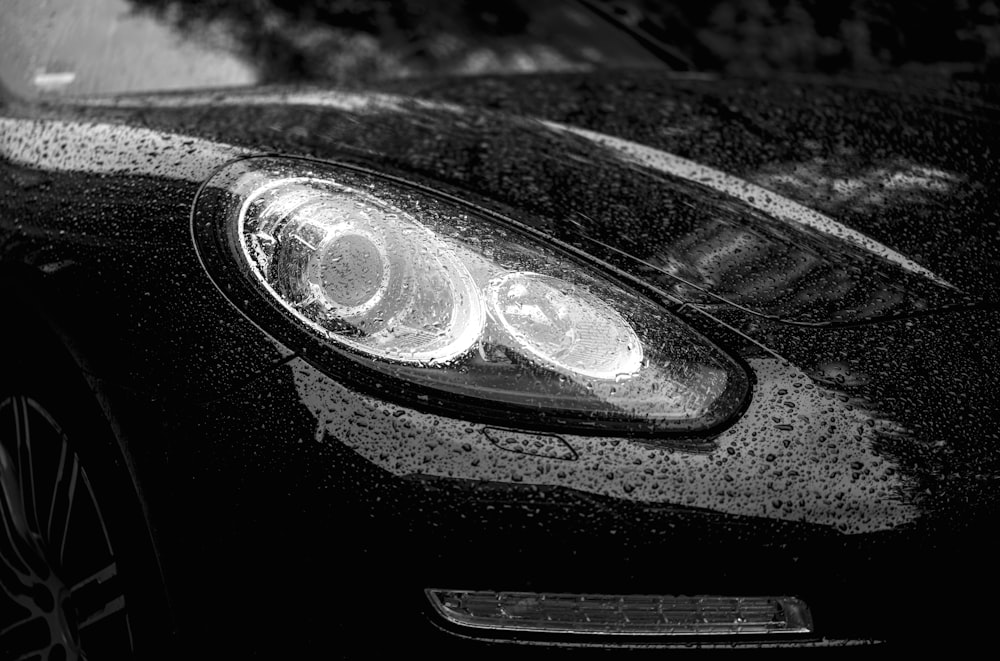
{"type": "Point", "coordinates": [79, 576]}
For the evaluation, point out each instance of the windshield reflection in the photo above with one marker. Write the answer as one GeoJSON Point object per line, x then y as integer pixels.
{"type": "Point", "coordinates": [69, 47]}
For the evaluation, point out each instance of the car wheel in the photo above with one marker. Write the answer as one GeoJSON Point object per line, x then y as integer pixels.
{"type": "Point", "coordinates": [77, 567]}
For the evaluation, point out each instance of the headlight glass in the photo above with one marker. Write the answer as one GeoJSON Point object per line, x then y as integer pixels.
{"type": "Point", "coordinates": [360, 272]}
{"type": "Point", "coordinates": [448, 306]}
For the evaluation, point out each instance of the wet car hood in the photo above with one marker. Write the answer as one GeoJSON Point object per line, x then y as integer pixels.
{"type": "Point", "coordinates": [802, 199]}
{"type": "Point", "coordinates": [805, 202]}
{"type": "Point", "coordinates": [794, 213]}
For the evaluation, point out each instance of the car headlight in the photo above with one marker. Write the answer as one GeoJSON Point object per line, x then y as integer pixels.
{"type": "Point", "coordinates": [447, 306]}
{"type": "Point", "coordinates": [362, 274]}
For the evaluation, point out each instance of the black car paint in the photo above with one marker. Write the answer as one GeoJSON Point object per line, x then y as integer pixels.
{"type": "Point", "coordinates": [243, 449]}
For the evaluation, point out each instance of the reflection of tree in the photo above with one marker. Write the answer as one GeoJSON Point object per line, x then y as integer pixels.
{"type": "Point", "coordinates": [709, 244]}
{"type": "Point", "coordinates": [808, 279]}
{"type": "Point", "coordinates": [760, 37]}
{"type": "Point", "coordinates": [351, 40]}
{"type": "Point", "coordinates": [839, 186]}
{"type": "Point", "coordinates": [348, 41]}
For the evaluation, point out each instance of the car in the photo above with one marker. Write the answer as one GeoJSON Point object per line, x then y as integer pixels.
{"type": "Point", "coordinates": [562, 363]}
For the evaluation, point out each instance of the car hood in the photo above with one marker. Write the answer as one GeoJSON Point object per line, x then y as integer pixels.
{"type": "Point", "coordinates": [805, 202]}
{"type": "Point", "coordinates": [802, 199]}
{"type": "Point", "coordinates": [819, 225]}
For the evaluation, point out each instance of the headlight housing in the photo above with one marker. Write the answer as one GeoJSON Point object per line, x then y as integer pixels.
{"type": "Point", "coordinates": [418, 297]}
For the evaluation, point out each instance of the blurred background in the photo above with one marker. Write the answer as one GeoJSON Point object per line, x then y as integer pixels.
{"type": "Point", "coordinates": [54, 47]}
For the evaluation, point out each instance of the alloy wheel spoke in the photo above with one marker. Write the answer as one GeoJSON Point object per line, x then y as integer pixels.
{"type": "Point", "coordinates": [30, 656]}
{"type": "Point", "coordinates": [14, 541]}
{"type": "Point", "coordinates": [60, 471]}
{"type": "Point", "coordinates": [40, 484]}
{"type": "Point", "coordinates": [64, 493]}
{"type": "Point", "coordinates": [26, 469]}
{"type": "Point", "coordinates": [9, 583]}
{"type": "Point", "coordinates": [12, 629]}
{"type": "Point", "coordinates": [110, 608]}
{"type": "Point", "coordinates": [106, 599]}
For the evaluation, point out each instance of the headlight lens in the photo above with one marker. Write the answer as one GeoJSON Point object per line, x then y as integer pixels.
{"type": "Point", "coordinates": [359, 272]}
{"type": "Point", "coordinates": [563, 326]}
{"type": "Point", "coordinates": [445, 305]}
